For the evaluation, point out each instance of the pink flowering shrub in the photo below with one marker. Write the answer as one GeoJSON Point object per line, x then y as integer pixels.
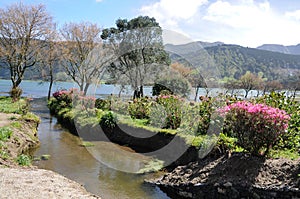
{"type": "Point", "coordinates": [71, 97]}
{"type": "Point", "coordinates": [256, 126]}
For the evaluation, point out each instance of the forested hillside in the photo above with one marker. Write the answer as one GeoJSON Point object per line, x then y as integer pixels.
{"type": "Point", "coordinates": [234, 61]}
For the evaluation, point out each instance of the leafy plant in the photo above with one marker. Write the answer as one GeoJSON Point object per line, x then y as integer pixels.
{"type": "Point", "coordinates": [5, 133]}
{"type": "Point", "coordinates": [102, 104]}
{"type": "Point", "coordinates": [291, 139]}
{"type": "Point", "coordinates": [173, 108]}
{"type": "Point", "coordinates": [108, 121]}
{"type": "Point", "coordinates": [256, 126]}
{"type": "Point", "coordinates": [139, 108]}
{"type": "Point", "coordinates": [23, 160]}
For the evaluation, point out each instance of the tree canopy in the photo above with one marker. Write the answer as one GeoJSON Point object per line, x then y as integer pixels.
{"type": "Point", "coordinates": [24, 30]}
{"type": "Point", "coordinates": [139, 49]}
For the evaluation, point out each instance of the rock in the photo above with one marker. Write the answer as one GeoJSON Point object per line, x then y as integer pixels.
{"type": "Point", "coordinates": [227, 184]}
{"type": "Point", "coordinates": [221, 191]}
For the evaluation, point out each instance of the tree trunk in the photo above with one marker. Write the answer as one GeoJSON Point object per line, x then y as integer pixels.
{"type": "Point", "coordinates": [246, 94]}
{"type": "Point", "coordinates": [87, 85]}
{"type": "Point", "coordinates": [196, 95]}
{"type": "Point", "coordinates": [50, 87]}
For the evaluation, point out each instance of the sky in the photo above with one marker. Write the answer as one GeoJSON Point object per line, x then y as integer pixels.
{"type": "Point", "coordinates": [248, 23]}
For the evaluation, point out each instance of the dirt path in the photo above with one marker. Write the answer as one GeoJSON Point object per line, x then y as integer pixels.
{"type": "Point", "coordinates": [38, 183]}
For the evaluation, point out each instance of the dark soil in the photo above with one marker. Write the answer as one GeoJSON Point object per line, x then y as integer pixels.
{"type": "Point", "coordinates": [232, 176]}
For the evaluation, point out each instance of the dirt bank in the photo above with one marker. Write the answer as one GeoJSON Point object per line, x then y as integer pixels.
{"type": "Point", "coordinates": [37, 183]}
{"type": "Point", "coordinates": [29, 182]}
{"type": "Point", "coordinates": [237, 176]}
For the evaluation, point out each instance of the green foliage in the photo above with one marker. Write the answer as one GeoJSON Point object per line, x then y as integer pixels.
{"type": "Point", "coordinates": [5, 133]}
{"type": "Point", "coordinates": [159, 89]}
{"type": "Point", "coordinates": [139, 108]}
{"type": "Point", "coordinates": [18, 107]}
{"type": "Point", "coordinates": [175, 85]}
{"type": "Point", "coordinates": [205, 111]}
{"type": "Point", "coordinates": [284, 153]}
{"type": "Point", "coordinates": [16, 124]}
{"type": "Point", "coordinates": [256, 127]}
{"type": "Point", "coordinates": [87, 144]}
{"type": "Point", "coordinates": [103, 104]}
{"type": "Point", "coordinates": [30, 117]}
{"type": "Point", "coordinates": [172, 111]}
{"type": "Point", "coordinates": [141, 51]}
{"type": "Point", "coordinates": [23, 160]}
{"type": "Point", "coordinates": [291, 139]}
{"type": "Point", "coordinates": [4, 154]}
{"type": "Point", "coordinates": [108, 121]}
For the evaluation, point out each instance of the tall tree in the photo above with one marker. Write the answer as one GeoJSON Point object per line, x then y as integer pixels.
{"type": "Point", "coordinates": [49, 57]}
{"type": "Point", "coordinates": [23, 31]}
{"type": "Point", "coordinates": [139, 48]}
{"type": "Point", "coordinates": [83, 52]}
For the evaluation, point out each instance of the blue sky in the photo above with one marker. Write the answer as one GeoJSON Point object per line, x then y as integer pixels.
{"type": "Point", "coordinates": [244, 22]}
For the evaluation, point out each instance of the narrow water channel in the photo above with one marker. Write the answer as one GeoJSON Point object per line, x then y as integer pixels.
{"type": "Point", "coordinates": [68, 158]}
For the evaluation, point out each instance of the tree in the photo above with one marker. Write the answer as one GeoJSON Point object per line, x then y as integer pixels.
{"type": "Point", "coordinates": [271, 86]}
{"type": "Point", "coordinates": [24, 31]}
{"type": "Point", "coordinates": [175, 84]}
{"type": "Point", "coordinates": [139, 49]}
{"type": "Point", "coordinates": [84, 56]}
{"type": "Point", "coordinates": [250, 81]}
{"type": "Point", "coordinates": [49, 58]}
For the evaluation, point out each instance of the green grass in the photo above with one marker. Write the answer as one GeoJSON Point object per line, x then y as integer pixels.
{"type": "Point", "coordinates": [7, 106]}
{"type": "Point", "coordinates": [87, 144]}
{"type": "Point", "coordinates": [5, 133]}
{"type": "Point", "coordinates": [23, 160]}
{"type": "Point", "coordinates": [16, 124]}
{"type": "Point", "coordinates": [29, 117]}
{"type": "Point", "coordinates": [289, 154]}
{"type": "Point", "coordinates": [141, 124]}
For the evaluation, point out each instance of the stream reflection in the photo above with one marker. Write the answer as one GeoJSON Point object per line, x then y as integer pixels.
{"type": "Point", "coordinates": [75, 162]}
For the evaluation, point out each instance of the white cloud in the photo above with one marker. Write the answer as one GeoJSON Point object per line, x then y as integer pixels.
{"type": "Point", "coordinates": [169, 13]}
{"type": "Point", "coordinates": [99, 1]}
{"type": "Point", "coordinates": [252, 23]}
{"type": "Point", "coordinates": [244, 22]}
{"type": "Point", "coordinates": [293, 15]}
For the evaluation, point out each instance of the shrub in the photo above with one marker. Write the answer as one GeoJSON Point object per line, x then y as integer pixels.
{"type": "Point", "coordinates": [139, 108]}
{"type": "Point", "coordinates": [205, 111]}
{"type": "Point", "coordinates": [172, 106]}
{"type": "Point", "coordinates": [256, 126]}
{"type": "Point", "coordinates": [108, 121]}
{"type": "Point", "coordinates": [102, 104]}
{"type": "Point", "coordinates": [291, 139]}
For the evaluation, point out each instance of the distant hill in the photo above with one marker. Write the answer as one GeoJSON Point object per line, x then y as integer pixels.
{"type": "Point", "coordinates": [294, 49]}
{"type": "Point", "coordinates": [234, 60]}
{"type": "Point", "coordinates": [190, 47]}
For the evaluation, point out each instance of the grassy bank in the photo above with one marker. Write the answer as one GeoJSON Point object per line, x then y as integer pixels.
{"type": "Point", "coordinates": [199, 124]}
{"type": "Point", "coordinates": [18, 131]}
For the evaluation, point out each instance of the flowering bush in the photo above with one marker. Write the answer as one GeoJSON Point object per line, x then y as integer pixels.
{"type": "Point", "coordinates": [256, 126]}
{"type": "Point", "coordinates": [291, 139]}
{"type": "Point", "coordinates": [139, 108]}
{"type": "Point", "coordinates": [172, 107]}
{"type": "Point", "coordinates": [72, 97]}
